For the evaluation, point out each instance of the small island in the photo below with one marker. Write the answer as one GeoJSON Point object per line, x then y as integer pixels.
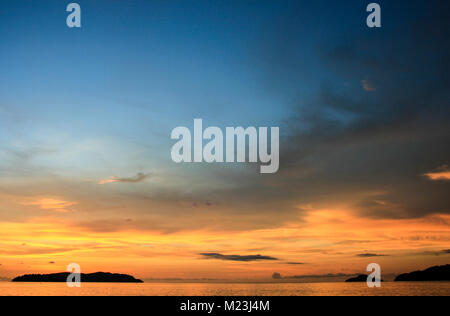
{"type": "Point", "coordinates": [359, 278]}
{"type": "Point", "coordinates": [98, 277]}
{"type": "Point", "coordinates": [437, 273]}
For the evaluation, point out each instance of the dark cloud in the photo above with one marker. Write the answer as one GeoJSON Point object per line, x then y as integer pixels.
{"type": "Point", "coordinates": [276, 276]}
{"type": "Point", "coordinates": [200, 204]}
{"type": "Point", "coordinates": [320, 276]}
{"type": "Point", "coordinates": [295, 263]}
{"type": "Point", "coordinates": [370, 150]}
{"type": "Point", "coordinates": [353, 242]}
{"type": "Point", "coordinates": [370, 255]}
{"type": "Point", "coordinates": [434, 253]}
{"type": "Point", "coordinates": [329, 277]}
{"type": "Point", "coordinates": [249, 258]}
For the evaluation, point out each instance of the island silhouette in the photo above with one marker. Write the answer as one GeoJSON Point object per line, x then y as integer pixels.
{"type": "Point", "coordinates": [359, 278]}
{"type": "Point", "coordinates": [98, 277]}
{"type": "Point", "coordinates": [437, 273]}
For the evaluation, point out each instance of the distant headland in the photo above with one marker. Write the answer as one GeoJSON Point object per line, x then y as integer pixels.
{"type": "Point", "coordinates": [98, 277]}
{"type": "Point", "coordinates": [437, 273]}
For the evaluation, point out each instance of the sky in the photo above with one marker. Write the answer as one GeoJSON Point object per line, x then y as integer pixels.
{"type": "Point", "coordinates": [86, 115]}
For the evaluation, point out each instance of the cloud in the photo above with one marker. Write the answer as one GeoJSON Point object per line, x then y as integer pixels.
{"type": "Point", "coordinates": [369, 255]}
{"type": "Point", "coordinates": [367, 151]}
{"type": "Point", "coordinates": [249, 258]}
{"type": "Point", "coordinates": [320, 276]}
{"type": "Point", "coordinates": [368, 86]}
{"type": "Point", "coordinates": [295, 263]}
{"type": "Point", "coordinates": [434, 253]}
{"type": "Point", "coordinates": [36, 251]}
{"type": "Point", "coordinates": [52, 204]}
{"type": "Point", "coordinates": [138, 178]}
{"type": "Point", "coordinates": [353, 242]}
{"type": "Point", "coordinates": [442, 173]}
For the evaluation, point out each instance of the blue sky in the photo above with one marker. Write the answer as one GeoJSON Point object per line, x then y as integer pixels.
{"type": "Point", "coordinates": [135, 70]}
{"type": "Point", "coordinates": [166, 57]}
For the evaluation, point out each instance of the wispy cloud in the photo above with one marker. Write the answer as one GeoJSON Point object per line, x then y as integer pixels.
{"type": "Point", "coordinates": [138, 178]}
{"type": "Point", "coordinates": [249, 258]}
{"type": "Point", "coordinates": [52, 204]}
{"type": "Point", "coordinates": [442, 173]}
{"type": "Point", "coordinates": [33, 251]}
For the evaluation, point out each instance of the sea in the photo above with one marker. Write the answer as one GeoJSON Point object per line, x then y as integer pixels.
{"type": "Point", "coordinates": [230, 289]}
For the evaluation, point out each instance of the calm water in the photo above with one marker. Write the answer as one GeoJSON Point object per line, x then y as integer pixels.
{"type": "Point", "coordinates": [213, 289]}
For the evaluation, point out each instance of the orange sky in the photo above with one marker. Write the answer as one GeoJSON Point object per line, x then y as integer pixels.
{"type": "Point", "coordinates": [320, 242]}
